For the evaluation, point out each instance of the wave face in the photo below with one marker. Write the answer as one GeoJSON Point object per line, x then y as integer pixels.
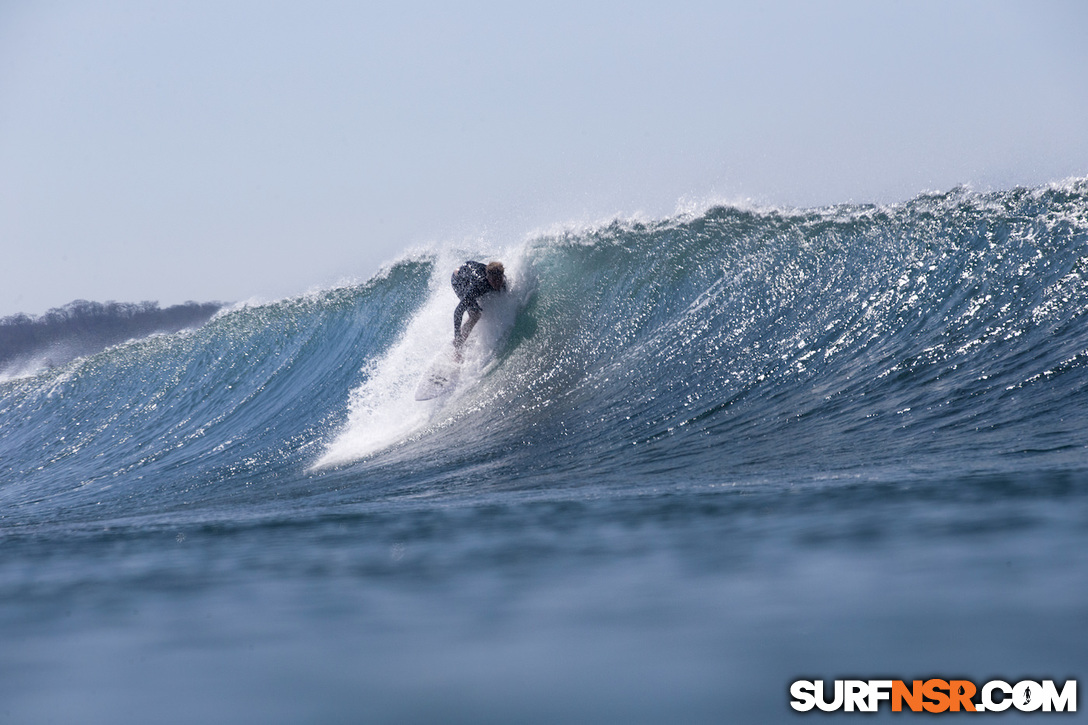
{"type": "Point", "coordinates": [945, 336]}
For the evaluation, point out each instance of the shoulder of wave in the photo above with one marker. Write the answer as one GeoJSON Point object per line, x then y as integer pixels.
{"type": "Point", "coordinates": [320, 293]}
{"type": "Point", "coordinates": [44, 365]}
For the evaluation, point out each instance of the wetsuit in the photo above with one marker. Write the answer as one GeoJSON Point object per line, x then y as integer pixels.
{"type": "Point", "coordinates": [470, 283]}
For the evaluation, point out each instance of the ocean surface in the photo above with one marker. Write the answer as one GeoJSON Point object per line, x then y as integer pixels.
{"type": "Point", "coordinates": [689, 461]}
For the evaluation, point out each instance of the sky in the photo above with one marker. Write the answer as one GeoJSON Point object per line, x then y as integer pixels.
{"type": "Point", "coordinates": [229, 150]}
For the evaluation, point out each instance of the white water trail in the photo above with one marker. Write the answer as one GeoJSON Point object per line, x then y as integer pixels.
{"type": "Point", "coordinates": [383, 411]}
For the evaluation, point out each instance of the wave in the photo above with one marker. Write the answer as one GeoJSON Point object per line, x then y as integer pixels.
{"type": "Point", "coordinates": [945, 335]}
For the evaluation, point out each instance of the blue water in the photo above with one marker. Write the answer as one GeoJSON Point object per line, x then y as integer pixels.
{"type": "Point", "coordinates": [689, 461]}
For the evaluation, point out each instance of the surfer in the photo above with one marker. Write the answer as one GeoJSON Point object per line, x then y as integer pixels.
{"type": "Point", "coordinates": [472, 281]}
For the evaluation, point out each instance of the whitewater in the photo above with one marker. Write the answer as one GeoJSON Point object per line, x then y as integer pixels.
{"type": "Point", "coordinates": [689, 460]}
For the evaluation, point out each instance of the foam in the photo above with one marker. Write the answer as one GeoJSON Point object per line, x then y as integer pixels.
{"type": "Point", "coordinates": [383, 411]}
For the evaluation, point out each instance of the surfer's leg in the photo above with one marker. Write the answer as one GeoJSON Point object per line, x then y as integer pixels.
{"type": "Point", "coordinates": [458, 313]}
{"type": "Point", "coordinates": [473, 318]}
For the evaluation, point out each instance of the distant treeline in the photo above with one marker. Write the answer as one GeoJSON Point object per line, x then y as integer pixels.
{"type": "Point", "coordinates": [84, 328]}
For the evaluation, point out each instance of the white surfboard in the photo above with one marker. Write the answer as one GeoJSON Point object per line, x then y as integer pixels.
{"type": "Point", "coordinates": [440, 378]}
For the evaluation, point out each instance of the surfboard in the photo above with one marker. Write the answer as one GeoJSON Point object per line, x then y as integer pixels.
{"type": "Point", "coordinates": [440, 378]}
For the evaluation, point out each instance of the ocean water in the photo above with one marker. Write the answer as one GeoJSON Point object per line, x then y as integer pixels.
{"type": "Point", "coordinates": [689, 461]}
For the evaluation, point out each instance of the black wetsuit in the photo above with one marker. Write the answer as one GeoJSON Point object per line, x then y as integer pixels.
{"type": "Point", "coordinates": [470, 283]}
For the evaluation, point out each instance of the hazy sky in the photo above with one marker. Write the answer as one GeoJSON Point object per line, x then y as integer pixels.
{"type": "Point", "coordinates": [210, 149]}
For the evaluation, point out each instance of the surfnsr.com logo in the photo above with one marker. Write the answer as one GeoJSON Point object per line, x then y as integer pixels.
{"type": "Point", "coordinates": [934, 695]}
